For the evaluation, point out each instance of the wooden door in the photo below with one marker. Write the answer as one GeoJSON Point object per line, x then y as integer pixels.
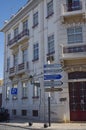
{"type": "Point", "coordinates": [77, 101]}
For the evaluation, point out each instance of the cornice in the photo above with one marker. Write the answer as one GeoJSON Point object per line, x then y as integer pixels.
{"type": "Point", "coordinates": [22, 13]}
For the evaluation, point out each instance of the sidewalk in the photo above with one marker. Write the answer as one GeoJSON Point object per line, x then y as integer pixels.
{"type": "Point", "coordinates": [40, 126]}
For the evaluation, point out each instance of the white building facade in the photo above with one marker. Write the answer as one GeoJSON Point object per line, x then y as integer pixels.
{"type": "Point", "coordinates": [42, 31]}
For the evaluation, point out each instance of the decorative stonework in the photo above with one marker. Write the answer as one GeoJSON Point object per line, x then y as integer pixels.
{"type": "Point", "coordinates": [24, 46]}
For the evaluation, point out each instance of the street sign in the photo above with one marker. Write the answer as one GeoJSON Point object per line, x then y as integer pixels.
{"type": "Point", "coordinates": [52, 77]}
{"type": "Point", "coordinates": [53, 89]}
{"type": "Point", "coordinates": [52, 83]}
{"type": "Point", "coordinates": [52, 65]}
{"type": "Point", "coordinates": [53, 71]}
{"type": "Point", "coordinates": [14, 91]}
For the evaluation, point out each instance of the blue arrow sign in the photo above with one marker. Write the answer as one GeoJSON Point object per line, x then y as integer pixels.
{"type": "Point", "coordinates": [14, 91]}
{"type": "Point", "coordinates": [52, 77]}
{"type": "Point", "coordinates": [52, 65]}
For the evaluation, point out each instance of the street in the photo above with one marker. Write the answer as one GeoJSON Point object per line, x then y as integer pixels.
{"type": "Point", "coordinates": [4, 127]}
{"type": "Point", "coordinates": [9, 127]}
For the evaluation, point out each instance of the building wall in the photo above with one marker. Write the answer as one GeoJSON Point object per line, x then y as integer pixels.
{"type": "Point", "coordinates": [46, 27]}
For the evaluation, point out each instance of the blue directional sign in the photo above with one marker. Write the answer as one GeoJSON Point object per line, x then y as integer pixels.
{"type": "Point", "coordinates": [52, 65]}
{"type": "Point", "coordinates": [14, 91]}
{"type": "Point", "coordinates": [52, 77]}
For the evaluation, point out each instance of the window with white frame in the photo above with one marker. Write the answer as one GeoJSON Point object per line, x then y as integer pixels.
{"type": "Point", "coordinates": [7, 92]}
{"type": "Point", "coordinates": [25, 25]}
{"type": "Point", "coordinates": [16, 59]}
{"type": "Point", "coordinates": [24, 89]}
{"type": "Point", "coordinates": [16, 32]}
{"type": "Point", "coordinates": [50, 8]}
{"type": "Point", "coordinates": [36, 51]}
{"type": "Point", "coordinates": [35, 19]}
{"type": "Point", "coordinates": [75, 35]}
{"type": "Point", "coordinates": [24, 55]}
{"type": "Point", "coordinates": [51, 48]}
{"type": "Point", "coordinates": [14, 96]}
{"type": "Point", "coordinates": [8, 63]}
{"type": "Point", "coordinates": [35, 91]}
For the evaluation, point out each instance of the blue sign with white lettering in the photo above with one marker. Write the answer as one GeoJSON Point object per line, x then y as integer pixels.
{"type": "Point", "coordinates": [14, 91]}
{"type": "Point", "coordinates": [52, 65]}
{"type": "Point", "coordinates": [52, 77]}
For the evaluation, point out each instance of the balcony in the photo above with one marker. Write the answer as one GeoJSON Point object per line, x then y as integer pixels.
{"type": "Point", "coordinates": [73, 51]}
{"type": "Point", "coordinates": [73, 57]}
{"type": "Point", "coordinates": [22, 68]}
{"type": "Point", "coordinates": [19, 69]}
{"type": "Point", "coordinates": [12, 71]}
{"type": "Point", "coordinates": [23, 36]}
{"type": "Point", "coordinates": [73, 12]}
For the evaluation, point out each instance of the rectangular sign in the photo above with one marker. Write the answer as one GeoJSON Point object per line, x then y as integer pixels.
{"type": "Point", "coordinates": [52, 83]}
{"type": "Point", "coordinates": [52, 65]}
{"type": "Point", "coordinates": [14, 91]}
{"type": "Point", "coordinates": [52, 71]}
{"type": "Point", "coordinates": [52, 77]}
{"type": "Point", "coordinates": [53, 89]}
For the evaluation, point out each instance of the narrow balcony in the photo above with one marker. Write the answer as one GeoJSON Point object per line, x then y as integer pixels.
{"type": "Point", "coordinates": [22, 68]}
{"type": "Point", "coordinates": [74, 11]}
{"type": "Point", "coordinates": [23, 36]}
{"type": "Point", "coordinates": [73, 51]}
{"type": "Point", "coordinates": [12, 71]}
{"type": "Point", "coordinates": [73, 57]}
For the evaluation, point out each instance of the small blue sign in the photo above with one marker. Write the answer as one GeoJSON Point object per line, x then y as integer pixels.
{"type": "Point", "coordinates": [52, 77]}
{"type": "Point", "coordinates": [14, 91]}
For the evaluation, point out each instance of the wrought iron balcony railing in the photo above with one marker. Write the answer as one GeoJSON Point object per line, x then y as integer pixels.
{"type": "Point", "coordinates": [19, 36]}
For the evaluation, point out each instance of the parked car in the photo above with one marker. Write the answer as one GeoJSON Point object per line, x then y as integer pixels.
{"type": "Point", "coordinates": [4, 115]}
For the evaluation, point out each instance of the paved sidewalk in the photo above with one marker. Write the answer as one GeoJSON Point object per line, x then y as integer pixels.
{"type": "Point", "coordinates": [40, 126]}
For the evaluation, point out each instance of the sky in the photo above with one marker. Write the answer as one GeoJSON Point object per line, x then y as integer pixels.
{"type": "Point", "coordinates": [7, 9]}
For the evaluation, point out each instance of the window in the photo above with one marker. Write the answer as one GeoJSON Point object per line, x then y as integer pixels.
{"type": "Point", "coordinates": [74, 35]}
{"type": "Point", "coordinates": [14, 96]}
{"type": "Point", "coordinates": [8, 63]}
{"type": "Point", "coordinates": [15, 32]}
{"type": "Point", "coordinates": [25, 25]}
{"type": "Point", "coordinates": [35, 91]}
{"type": "Point", "coordinates": [7, 92]}
{"type": "Point", "coordinates": [73, 5]}
{"type": "Point", "coordinates": [51, 44]}
{"type": "Point", "coordinates": [35, 113]}
{"type": "Point", "coordinates": [15, 59]}
{"type": "Point", "coordinates": [50, 8]}
{"type": "Point", "coordinates": [24, 89]}
{"type": "Point", "coordinates": [24, 53]}
{"type": "Point", "coordinates": [9, 37]}
{"type": "Point", "coordinates": [36, 51]}
{"type": "Point", "coordinates": [35, 19]}
{"type": "Point", "coordinates": [24, 112]}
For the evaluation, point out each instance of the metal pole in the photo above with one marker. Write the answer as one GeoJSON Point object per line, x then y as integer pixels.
{"type": "Point", "coordinates": [49, 121]}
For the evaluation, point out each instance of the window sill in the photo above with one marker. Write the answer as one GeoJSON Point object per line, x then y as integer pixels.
{"type": "Point", "coordinates": [24, 98]}
{"type": "Point", "coordinates": [51, 53]}
{"type": "Point", "coordinates": [50, 15]}
{"type": "Point", "coordinates": [35, 25]}
{"type": "Point", "coordinates": [35, 60]}
{"type": "Point", "coordinates": [35, 97]}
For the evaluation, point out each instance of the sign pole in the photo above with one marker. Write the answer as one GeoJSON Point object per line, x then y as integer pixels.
{"type": "Point", "coordinates": [49, 121]}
